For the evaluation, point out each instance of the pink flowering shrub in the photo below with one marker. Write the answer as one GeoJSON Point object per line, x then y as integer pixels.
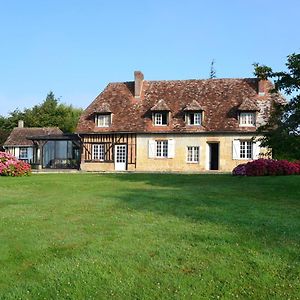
{"type": "Point", "coordinates": [11, 166]}
{"type": "Point", "coordinates": [264, 167]}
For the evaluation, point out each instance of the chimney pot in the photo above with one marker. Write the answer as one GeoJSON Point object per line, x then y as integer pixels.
{"type": "Point", "coordinates": [138, 83]}
{"type": "Point", "coordinates": [20, 123]}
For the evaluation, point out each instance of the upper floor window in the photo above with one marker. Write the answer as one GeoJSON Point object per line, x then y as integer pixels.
{"type": "Point", "coordinates": [160, 118]}
{"type": "Point", "coordinates": [103, 120]}
{"type": "Point", "coordinates": [247, 119]}
{"type": "Point", "coordinates": [194, 118]}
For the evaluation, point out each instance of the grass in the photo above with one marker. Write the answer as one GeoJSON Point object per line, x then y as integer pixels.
{"type": "Point", "coordinates": [149, 236]}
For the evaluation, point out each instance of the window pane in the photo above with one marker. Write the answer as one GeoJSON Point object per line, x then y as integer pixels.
{"type": "Point", "coordinates": [103, 120]}
{"type": "Point", "coordinates": [246, 149]}
{"type": "Point", "coordinates": [247, 118]}
{"type": "Point", "coordinates": [161, 118]}
{"type": "Point", "coordinates": [161, 148]}
{"type": "Point", "coordinates": [23, 154]}
{"type": "Point", "coordinates": [98, 152]}
{"type": "Point", "coordinates": [193, 154]}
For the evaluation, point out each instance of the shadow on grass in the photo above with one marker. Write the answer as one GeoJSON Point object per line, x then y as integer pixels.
{"type": "Point", "coordinates": [267, 208]}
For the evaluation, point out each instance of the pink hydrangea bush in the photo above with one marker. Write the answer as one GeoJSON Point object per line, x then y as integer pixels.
{"type": "Point", "coordinates": [11, 166]}
{"type": "Point", "coordinates": [264, 167]}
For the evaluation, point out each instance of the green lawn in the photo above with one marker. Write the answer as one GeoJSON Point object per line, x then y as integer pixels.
{"type": "Point", "coordinates": [149, 236]}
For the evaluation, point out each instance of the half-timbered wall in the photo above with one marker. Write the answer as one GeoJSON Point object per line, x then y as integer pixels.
{"type": "Point", "coordinates": [109, 141]}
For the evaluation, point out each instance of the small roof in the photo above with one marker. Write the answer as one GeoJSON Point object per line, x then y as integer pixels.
{"type": "Point", "coordinates": [161, 105]}
{"type": "Point", "coordinates": [248, 105]}
{"type": "Point", "coordinates": [193, 106]}
{"type": "Point", "coordinates": [18, 136]}
{"type": "Point", "coordinates": [102, 108]}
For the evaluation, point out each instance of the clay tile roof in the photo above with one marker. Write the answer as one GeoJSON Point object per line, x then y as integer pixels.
{"type": "Point", "coordinates": [220, 99]}
{"type": "Point", "coordinates": [248, 105]}
{"type": "Point", "coordinates": [161, 105]}
{"type": "Point", "coordinates": [193, 106]}
{"type": "Point", "coordinates": [102, 108]}
{"type": "Point", "coordinates": [18, 136]}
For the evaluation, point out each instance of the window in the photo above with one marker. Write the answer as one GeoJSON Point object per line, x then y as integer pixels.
{"type": "Point", "coordinates": [103, 120]}
{"type": "Point", "coordinates": [98, 152]}
{"type": "Point", "coordinates": [194, 118]}
{"type": "Point", "coordinates": [246, 149]}
{"type": "Point", "coordinates": [161, 148]}
{"type": "Point", "coordinates": [23, 154]}
{"type": "Point", "coordinates": [160, 118]}
{"type": "Point", "coordinates": [247, 118]}
{"type": "Point", "coordinates": [193, 154]}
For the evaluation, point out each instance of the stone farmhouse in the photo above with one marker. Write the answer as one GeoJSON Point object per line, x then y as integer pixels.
{"type": "Point", "coordinates": [180, 125]}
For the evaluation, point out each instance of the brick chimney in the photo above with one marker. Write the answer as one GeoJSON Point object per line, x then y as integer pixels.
{"type": "Point", "coordinates": [262, 87]}
{"type": "Point", "coordinates": [20, 124]}
{"type": "Point", "coordinates": [138, 83]}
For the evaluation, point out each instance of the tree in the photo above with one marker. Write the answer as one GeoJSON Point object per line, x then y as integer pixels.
{"type": "Point", "coordinates": [47, 114]}
{"type": "Point", "coordinates": [212, 73]}
{"type": "Point", "coordinates": [282, 132]}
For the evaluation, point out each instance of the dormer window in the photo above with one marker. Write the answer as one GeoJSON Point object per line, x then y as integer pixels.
{"type": "Point", "coordinates": [160, 118]}
{"type": "Point", "coordinates": [247, 119]}
{"type": "Point", "coordinates": [160, 113]}
{"type": "Point", "coordinates": [194, 118]}
{"type": "Point", "coordinates": [193, 114]}
{"type": "Point", "coordinates": [103, 120]}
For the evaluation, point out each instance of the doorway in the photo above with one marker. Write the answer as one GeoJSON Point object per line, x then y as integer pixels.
{"type": "Point", "coordinates": [213, 156]}
{"type": "Point", "coordinates": [120, 157]}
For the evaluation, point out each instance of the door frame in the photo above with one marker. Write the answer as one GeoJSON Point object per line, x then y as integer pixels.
{"type": "Point", "coordinates": [209, 153]}
{"type": "Point", "coordinates": [115, 156]}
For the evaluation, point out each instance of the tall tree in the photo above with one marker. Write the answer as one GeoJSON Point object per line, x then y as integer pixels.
{"type": "Point", "coordinates": [49, 113]}
{"type": "Point", "coordinates": [282, 132]}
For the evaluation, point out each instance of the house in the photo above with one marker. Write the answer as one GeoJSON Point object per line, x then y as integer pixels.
{"type": "Point", "coordinates": [180, 125]}
{"type": "Point", "coordinates": [46, 147]}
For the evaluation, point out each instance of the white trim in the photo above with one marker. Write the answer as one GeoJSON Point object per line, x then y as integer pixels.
{"type": "Point", "coordinates": [98, 149]}
{"type": "Point", "coordinates": [104, 118]}
{"type": "Point", "coordinates": [171, 148]}
{"type": "Point", "coordinates": [193, 161]}
{"type": "Point", "coordinates": [248, 118]}
{"type": "Point", "coordinates": [236, 149]}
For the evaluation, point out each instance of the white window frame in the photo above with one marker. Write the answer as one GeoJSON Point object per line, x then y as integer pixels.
{"type": "Point", "coordinates": [158, 118]}
{"type": "Point", "coordinates": [21, 155]}
{"type": "Point", "coordinates": [247, 118]}
{"type": "Point", "coordinates": [193, 154]}
{"type": "Point", "coordinates": [103, 120]}
{"type": "Point", "coordinates": [162, 148]}
{"type": "Point", "coordinates": [246, 149]}
{"type": "Point", "coordinates": [197, 118]}
{"type": "Point", "coordinates": [98, 152]}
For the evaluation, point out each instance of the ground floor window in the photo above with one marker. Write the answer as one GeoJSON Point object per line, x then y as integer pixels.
{"type": "Point", "coordinates": [161, 148]}
{"type": "Point", "coordinates": [23, 153]}
{"type": "Point", "coordinates": [98, 152]}
{"type": "Point", "coordinates": [246, 149]}
{"type": "Point", "coordinates": [193, 154]}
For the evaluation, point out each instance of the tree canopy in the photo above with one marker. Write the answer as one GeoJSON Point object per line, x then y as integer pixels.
{"type": "Point", "coordinates": [282, 133]}
{"type": "Point", "coordinates": [47, 114]}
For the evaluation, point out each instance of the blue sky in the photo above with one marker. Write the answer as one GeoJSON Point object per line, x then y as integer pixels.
{"type": "Point", "coordinates": [75, 48]}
